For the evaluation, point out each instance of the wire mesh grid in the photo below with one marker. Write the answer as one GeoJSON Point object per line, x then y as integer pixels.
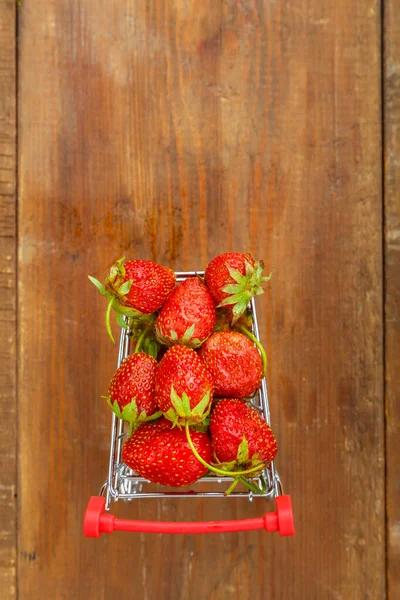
{"type": "Point", "coordinates": [124, 484]}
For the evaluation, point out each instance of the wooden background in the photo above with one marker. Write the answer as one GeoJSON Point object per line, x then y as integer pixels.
{"type": "Point", "coordinates": [175, 131]}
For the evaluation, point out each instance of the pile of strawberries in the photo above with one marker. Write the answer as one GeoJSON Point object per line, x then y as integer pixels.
{"type": "Point", "coordinates": [185, 389]}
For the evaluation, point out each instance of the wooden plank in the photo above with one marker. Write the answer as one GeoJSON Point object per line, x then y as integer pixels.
{"type": "Point", "coordinates": [392, 287]}
{"type": "Point", "coordinates": [8, 259]}
{"type": "Point", "coordinates": [175, 131]}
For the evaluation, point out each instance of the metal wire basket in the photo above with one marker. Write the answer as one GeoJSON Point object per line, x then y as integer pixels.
{"type": "Point", "coordinates": [124, 484]}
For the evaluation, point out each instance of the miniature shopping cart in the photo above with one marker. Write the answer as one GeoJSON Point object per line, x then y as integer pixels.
{"type": "Point", "coordinates": [124, 484]}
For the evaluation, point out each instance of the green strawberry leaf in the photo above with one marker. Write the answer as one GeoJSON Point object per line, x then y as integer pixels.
{"type": "Point", "coordinates": [115, 271]}
{"type": "Point", "coordinates": [265, 279]}
{"type": "Point", "coordinates": [232, 288]}
{"type": "Point", "coordinates": [130, 411]}
{"type": "Point", "coordinates": [121, 321]}
{"type": "Point", "coordinates": [120, 266]}
{"type": "Point", "coordinates": [172, 416]}
{"type": "Point", "coordinates": [240, 307]}
{"type": "Point", "coordinates": [186, 404]}
{"type": "Point", "coordinates": [187, 336]}
{"type": "Point", "coordinates": [231, 299]}
{"type": "Point", "coordinates": [202, 406]}
{"type": "Point", "coordinates": [248, 268]}
{"type": "Point", "coordinates": [125, 288]}
{"type": "Point", "coordinates": [259, 267]}
{"type": "Point", "coordinates": [173, 335]}
{"type": "Point", "coordinates": [99, 286]}
{"type": "Point", "coordinates": [114, 407]}
{"type": "Point", "coordinates": [150, 347]}
{"type": "Point", "coordinates": [195, 342]}
{"type": "Point", "coordinates": [142, 417]}
{"type": "Point", "coordinates": [153, 348]}
{"type": "Point", "coordinates": [243, 451]}
{"type": "Point", "coordinates": [127, 311]}
{"type": "Point", "coordinates": [108, 324]}
{"type": "Point", "coordinates": [236, 275]}
{"type": "Point", "coordinates": [152, 417]}
{"type": "Point", "coordinates": [177, 403]}
{"type": "Point", "coordinates": [225, 466]}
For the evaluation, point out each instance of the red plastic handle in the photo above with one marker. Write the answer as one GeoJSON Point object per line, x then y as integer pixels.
{"type": "Point", "coordinates": [97, 521]}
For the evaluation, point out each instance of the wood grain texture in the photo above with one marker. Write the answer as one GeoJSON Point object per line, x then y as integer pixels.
{"type": "Point", "coordinates": [8, 259]}
{"type": "Point", "coordinates": [175, 131]}
{"type": "Point", "coordinates": [392, 286]}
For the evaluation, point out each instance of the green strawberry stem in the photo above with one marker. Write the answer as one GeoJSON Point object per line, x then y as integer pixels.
{"type": "Point", "coordinates": [246, 483]}
{"type": "Point", "coordinates": [215, 469]}
{"type": "Point", "coordinates": [108, 325]}
{"type": "Point", "coordinates": [232, 486]}
{"type": "Point", "coordinates": [140, 341]}
{"type": "Point", "coordinates": [253, 338]}
{"type": "Point", "coordinates": [251, 487]}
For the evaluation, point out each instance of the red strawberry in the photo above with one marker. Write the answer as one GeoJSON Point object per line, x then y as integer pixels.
{"type": "Point", "coordinates": [132, 389]}
{"type": "Point", "coordinates": [183, 386]}
{"type": "Point", "coordinates": [234, 363]}
{"type": "Point", "coordinates": [188, 315]}
{"type": "Point", "coordinates": [135, 288]}
{"type": "Point", "coordinates": [160, 453]}
{"type": "Point", "coordinates": [233, 279]}
{"type": "Point", "coordinates": [239, 433]}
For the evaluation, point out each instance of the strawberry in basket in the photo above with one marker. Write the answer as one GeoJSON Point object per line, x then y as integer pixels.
{"type": "Point", "coordinates": [240, 436]}
{"type": "Point", "coordinates": [160, 453]}
{"type": "Point", "coordinates": [184, 387]}
{"type": "Point", "coordinates": [131, 394]}
{"type": "Point", "coordinates": [134, 289]}
{"type": "Point", "coordinates": [234, 363]}
{"type": "Point", "coordinates": [188, 315]}
{"type": "Point", "coordinates": [234, 279]}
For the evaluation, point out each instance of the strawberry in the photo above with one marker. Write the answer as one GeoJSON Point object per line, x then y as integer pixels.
{"type": "Point", "coordinates": [131, 393]}
{"type": "Point", "coordinates": [135, 288]}
{"type": "Point", "coordinates": [240, 435]}
{"type": "Point", "coordinates": [188, 315]}
{"type": "Point", "coordinates": [160, 453]}
{"type": "Point", "coordinates": [183, 386]}
{"type": "Point", "coordinates": [233, 279]}
{"type": "Point", "coordinates": [234, 363]}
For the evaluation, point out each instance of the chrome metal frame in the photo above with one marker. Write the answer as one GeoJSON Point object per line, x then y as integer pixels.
{"type": "Point", "coordinates": [123, 484]}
